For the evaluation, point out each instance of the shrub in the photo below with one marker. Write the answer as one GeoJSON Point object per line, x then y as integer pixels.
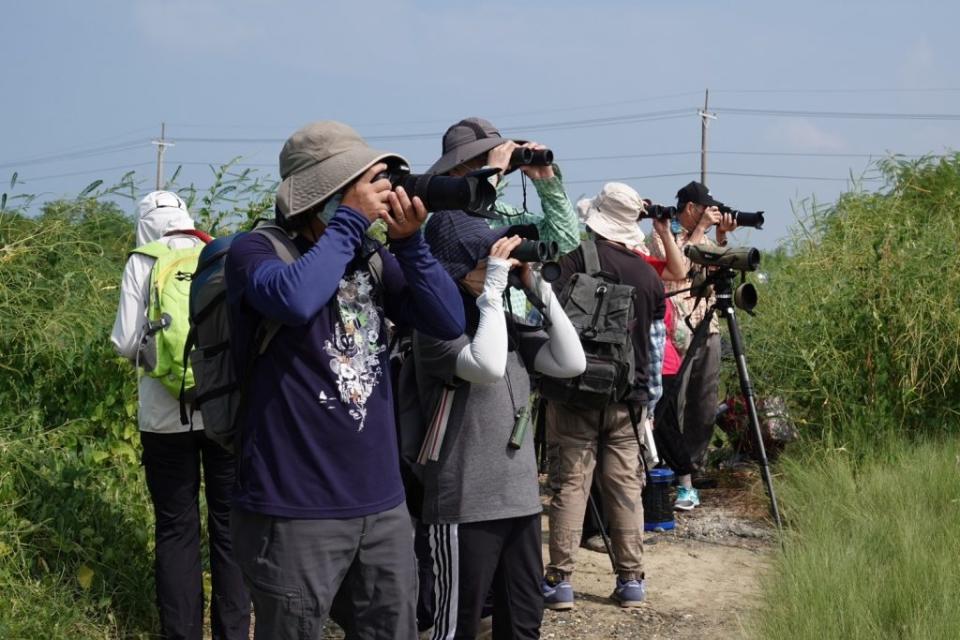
{"type": "Point", "coordinates": [859, 328]}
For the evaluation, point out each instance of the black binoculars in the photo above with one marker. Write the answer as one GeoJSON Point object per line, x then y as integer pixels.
{"type": "Point", "coordinates": [522, 156]}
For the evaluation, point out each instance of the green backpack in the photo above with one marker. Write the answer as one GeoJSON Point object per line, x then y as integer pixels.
{"type": "Point", "coordinates": [160, 353]}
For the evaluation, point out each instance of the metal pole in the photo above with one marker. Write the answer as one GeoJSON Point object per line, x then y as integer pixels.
{"type": "Point", "coordinates": [162, 145]}
{"type": "Point", "coordinates": [703, 137]}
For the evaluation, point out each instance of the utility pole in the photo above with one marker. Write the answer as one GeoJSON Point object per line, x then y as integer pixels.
{"type": "Point", "coordinates": [162, 145]}
{"type": "Point", "coordinates": [705, 117]}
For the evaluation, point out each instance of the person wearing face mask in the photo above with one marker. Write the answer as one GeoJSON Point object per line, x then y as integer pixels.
{"type": "Point", "coordinates": [481, 495]}
{"type": "Point", "coordinates": [474, 143]}
{"type": "Point", "coordinates": [697, 394]}
{"type": "Point", "coordinates": [319, 502]}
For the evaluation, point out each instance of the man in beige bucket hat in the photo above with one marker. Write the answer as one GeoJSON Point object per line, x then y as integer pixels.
{"type": "Point", "coordinates": [319, 504]}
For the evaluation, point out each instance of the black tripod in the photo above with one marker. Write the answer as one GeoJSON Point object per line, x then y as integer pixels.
{"type": "Point", "coordinates": [722, 281]}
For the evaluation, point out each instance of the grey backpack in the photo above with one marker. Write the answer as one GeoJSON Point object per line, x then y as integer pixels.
{"type": "Point", "coordinates": [602, 311]}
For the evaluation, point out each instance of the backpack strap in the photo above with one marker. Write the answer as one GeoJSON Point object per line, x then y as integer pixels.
{"type": "Point", "coordinates": [282, 244]}
{"type": "Point", "coordinates": [154, 250]}
{"type": "Point", "coordinates": [375, 265]}
{"type": "Point", "coordinates": [591, 259]}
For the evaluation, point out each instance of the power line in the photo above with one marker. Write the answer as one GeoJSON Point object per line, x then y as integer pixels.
{"type": "Point", "coordinates": [889, 90]}
{"type": "Point", "coordinates": [75, 155]}
{"type": "Point", "coordinates": [633, 156]}
{"type": "Point", "coordinates": [715, 173]}
{"type": "Point", "coordinates": [849, 115]}
{"type": "Point", "coordinates": [28, 179]}
{"type": "Point", "coordinates": [568, 124]}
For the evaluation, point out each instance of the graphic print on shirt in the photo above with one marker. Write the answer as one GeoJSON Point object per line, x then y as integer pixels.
{"type": "Point", "coordinates": [355, 349]}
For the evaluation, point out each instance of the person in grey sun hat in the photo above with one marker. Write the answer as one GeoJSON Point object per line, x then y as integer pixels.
{"type": "Point", "coordinates": [475, 143]}
{"type": "Point", "coordinates": [318, 470]}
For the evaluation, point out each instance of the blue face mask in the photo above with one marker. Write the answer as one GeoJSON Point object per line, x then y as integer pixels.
{"type": "Point", "coordinates": [675, 226]}
{"type": "Point", "coordinates": [330, 208]}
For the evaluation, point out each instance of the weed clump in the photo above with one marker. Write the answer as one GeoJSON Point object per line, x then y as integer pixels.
{"type": "Point", "coordinates": [859, 327]}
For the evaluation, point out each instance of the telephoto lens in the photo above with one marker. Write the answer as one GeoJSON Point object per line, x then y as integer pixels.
{"type": "Point", "coordinates": [744, 218]}
{"type": "Point", "coordinates": [749, 219]}
{"type": "Point", "coordinates": [472, 193]}
{"type": "Point", "coordinates": [522, 156]}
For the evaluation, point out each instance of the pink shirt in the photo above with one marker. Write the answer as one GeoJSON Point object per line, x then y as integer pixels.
{"type": "Point", "coordinates": [671, 357]}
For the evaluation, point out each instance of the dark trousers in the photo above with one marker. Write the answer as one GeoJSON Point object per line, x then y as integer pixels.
{"type": "Point", "coordinates": [295, 568]}
{"type": "Point", "coordinates": [470, 559]}
{"type": "Point", "coordinates": [697, 405]}
{"type": "Point", "coordinates": [666, 430]}
{"type": "Point", "coordinates": [173, 463]}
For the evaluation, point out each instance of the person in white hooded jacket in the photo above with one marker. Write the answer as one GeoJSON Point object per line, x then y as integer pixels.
{"type": "Point", "coordinates": [174, 454]}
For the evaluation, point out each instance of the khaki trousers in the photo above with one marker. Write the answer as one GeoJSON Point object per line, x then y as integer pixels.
{"type": "Point", "coordinates": [575, 440]}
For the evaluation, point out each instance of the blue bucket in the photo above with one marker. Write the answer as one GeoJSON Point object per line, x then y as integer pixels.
{"type": "Point", "coordinates": [658, 501]}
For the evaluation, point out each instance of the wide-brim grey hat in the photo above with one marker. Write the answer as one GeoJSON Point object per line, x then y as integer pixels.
{"type": "Point", "coordinates": [319, 160]}
{"type": "Point", "coordinates": [466, 140]}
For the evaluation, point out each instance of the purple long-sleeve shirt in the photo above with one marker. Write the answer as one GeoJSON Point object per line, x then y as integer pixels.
{"type": "Point", "coordinates": [317, 435]}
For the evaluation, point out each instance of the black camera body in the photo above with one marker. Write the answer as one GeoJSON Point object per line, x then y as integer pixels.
{"type": "Point", "coordinates": [523, 156]}
{"type": "Point", "coordinates": [472, 193]}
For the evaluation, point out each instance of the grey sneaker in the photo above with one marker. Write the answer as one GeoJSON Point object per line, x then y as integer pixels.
{"type": "Point", "coordinates": [630, 593]}
{"type": "Point", "coordinates": [558, 596]}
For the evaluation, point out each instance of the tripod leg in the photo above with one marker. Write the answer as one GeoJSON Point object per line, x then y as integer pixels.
{"type": "Point", "coordinates": [603, 530]}
{"type": "Point", "coordinates": [747, 389]}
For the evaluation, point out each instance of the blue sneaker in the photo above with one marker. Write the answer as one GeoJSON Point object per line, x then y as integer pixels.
{"type": "Point", "coordinates": [558, 596]}
{"type": "Point", "coordinates": [630, 593]}
{"type": "Point", "coordinates": [687, 499]}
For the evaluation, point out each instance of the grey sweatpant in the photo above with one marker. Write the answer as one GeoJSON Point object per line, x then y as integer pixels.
{"type": "Point", "coordinates": [697, 399]}
{"type": "Point", "coordinates": [294, 568]}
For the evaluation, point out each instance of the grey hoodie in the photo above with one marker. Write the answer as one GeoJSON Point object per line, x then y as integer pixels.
{"type": "Point", "coordinates": [159, 213]}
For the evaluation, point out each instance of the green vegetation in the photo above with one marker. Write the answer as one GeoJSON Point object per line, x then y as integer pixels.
{"type": "Point", "coordinates": [859, 329]}
{"type": "Point", "coordinates": [76, 524]}
{"type": "Point", "coordinates": [871, 548]}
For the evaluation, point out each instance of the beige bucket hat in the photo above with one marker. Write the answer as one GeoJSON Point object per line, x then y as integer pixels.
{"type": "Point", "coordinates": [319, 160]}
{"type": "Point", "coordinates": [613, 214]}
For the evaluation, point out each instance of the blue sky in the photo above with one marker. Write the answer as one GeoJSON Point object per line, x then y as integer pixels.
{"type": "Point", "coordinates": [96, 79]}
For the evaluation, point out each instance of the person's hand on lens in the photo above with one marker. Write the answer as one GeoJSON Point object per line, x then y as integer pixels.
{"type": "Point", "coordinates": [367, 196]}
{"type": "Point", "coordinates": [727, 223]}
{"type": "Point", "coordinates": [405, 217]}
{"type": "Point", "coordinates": [535, 172]}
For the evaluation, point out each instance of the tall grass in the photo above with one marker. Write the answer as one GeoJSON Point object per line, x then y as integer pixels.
{"type": "Point", "coordinates": [860, 330]}
{"type": "Point", "coordinates": [860, 327]}
{"type": "Point", "coordinates": [872, 547]}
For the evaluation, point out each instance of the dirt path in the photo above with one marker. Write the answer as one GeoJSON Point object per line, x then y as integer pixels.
{"type": "Point", "coordinates": [701, 579]}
